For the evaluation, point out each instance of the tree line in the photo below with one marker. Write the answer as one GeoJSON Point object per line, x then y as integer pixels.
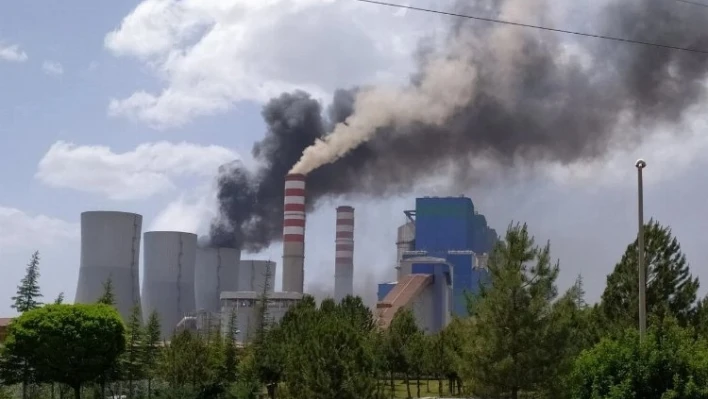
{"type": "Point", "coordinates": [523, 338]}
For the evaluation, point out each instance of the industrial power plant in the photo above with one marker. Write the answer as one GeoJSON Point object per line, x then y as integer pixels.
{"type": "Point", "coordinates": [441, 259]}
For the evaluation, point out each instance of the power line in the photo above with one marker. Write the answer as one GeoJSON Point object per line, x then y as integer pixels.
{"type": "Point", "coordinates": [499, 21]}
{"type": "Point", "coordinates": [695, 3]}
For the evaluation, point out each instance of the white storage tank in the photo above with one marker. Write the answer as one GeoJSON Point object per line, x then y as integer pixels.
{"type": "Point", "coordinates": [216, 271]}
{"type": "Point", "coordinates": [168, 280]}
{"type": "Point", "coordinates": [110, 249]}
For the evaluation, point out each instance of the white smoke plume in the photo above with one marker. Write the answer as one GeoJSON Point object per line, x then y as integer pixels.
{"type": "Point", "coordinates": [447, 85]}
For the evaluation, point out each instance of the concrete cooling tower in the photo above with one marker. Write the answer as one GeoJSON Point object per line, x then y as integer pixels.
{"type": "Point", "coordinates": [252, 275]}
{"type": "Point", "coordinates": [168, 280]}
{"type": "Point", "coordinates": [110, 248]}
{"type": "Point", "coordinates": [216, 271]}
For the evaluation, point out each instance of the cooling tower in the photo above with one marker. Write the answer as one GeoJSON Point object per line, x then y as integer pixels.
{"type": "Point", "coordinates": [294, 234]}
{"type": "Point", "coordinates": [168, 278]}
{"type": "Point", "coordinates": [216, 271]}
{"type": "Point", "coordinates": [110, 248]}
{"type": "Point", "coordinates": [344, 253]}
{"type": "Point", "coordinates": [252, 275]}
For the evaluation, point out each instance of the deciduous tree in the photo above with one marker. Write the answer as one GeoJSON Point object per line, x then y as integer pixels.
{"type": "Point", "coordinates": [69, 344]}
{"type": "Point", "coordinates": [669, 363]}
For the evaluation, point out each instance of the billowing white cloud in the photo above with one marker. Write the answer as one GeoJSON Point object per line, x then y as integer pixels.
{"type": "Point", "coordinates": [149, 169]}
{"type": "Point", "coordinates": [212, 54]}
{"type": "Point", "coordinates": [22, 232]}
{"type": "Point", "coordinates": [12, 53]}
{"type": "Point", "coordinates": [52, 68]}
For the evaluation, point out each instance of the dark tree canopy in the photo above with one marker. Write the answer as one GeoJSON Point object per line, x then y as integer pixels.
{"type": "Point", "coordinates": [669, 363]}
{"type": "Point", "coordinates": [671, 289]}
{"type": "Point", "coordinates": [70, 344]}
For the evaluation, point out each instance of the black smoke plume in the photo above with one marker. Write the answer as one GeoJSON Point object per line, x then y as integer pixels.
{"type": "Point", "coordinates": [534, 100]}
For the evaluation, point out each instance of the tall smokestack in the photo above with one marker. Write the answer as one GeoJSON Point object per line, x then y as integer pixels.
{"type": "Point", "coordinates": [294, 234]}
{"type": "Point", "coordinates": [344, 258]}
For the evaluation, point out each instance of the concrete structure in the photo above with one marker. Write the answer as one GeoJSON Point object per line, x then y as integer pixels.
{"type": "Point", "coordinates": [201, 322]}
{"type": "Point", "coordinates": [405, 241]}
{"type": "Point", "coordinates": [344, 253]}
{"type": "Point", "coordinates": [252, 275]}
{"type": "Point", "coordinates": [110, 248]}
{"type": "Point", "coordinates": [294, 234]}
{"type": "Point", "coordinates": [244, 306]}
{"type": "Point", "coordinates": [444, 246]}
{"type": "Point", "coordinates": [216, 271]}
{"type": "Point", "coordinates": [168, 279]}
{"type": "Point", "coordinates": [427, 291]}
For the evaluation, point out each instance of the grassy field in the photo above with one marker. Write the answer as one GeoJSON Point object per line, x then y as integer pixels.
{"type": "Point", "coordinates": [425, 389]}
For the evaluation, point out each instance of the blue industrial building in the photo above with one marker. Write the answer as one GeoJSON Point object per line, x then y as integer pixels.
{"type": "Point", "coordinates": [448, 229]}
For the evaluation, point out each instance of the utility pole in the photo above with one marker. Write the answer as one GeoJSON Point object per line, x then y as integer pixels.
{"type": "Point", "coordinates": [641, 164]}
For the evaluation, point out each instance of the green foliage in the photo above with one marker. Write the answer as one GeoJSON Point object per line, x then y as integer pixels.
{"type": "Point", "coordinates": [324, 352]}
{"type": "Point", "coordinates": [69, 344]}
{"type": "Point", "coordinates": [131, 363]}
{"type": "Point", "coordinates": [108, 297]}
{"type": "Point", "coordinates": [60, 299]}
{"type": "Point", "coordinates": [516, 331]}
{"type": "Point", "coordinates": [669, 364]}
{"type": "Point", "coordinates": [184, 361]}
{"type": "Point", "coordinates": [671, 289]}
{"type": "Point", "coordinates": [28, 290]}
{"type": "Point", "coordinates": [151, 349]}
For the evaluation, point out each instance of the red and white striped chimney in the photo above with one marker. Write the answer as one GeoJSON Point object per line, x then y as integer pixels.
{"type": "Point", "coordinates": [344, 258]}
{"type": "Point", "coordinates": [294, 234]}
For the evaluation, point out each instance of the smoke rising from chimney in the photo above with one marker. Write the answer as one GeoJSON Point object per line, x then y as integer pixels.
{"type": "Point", "coordinates": [506, 92]}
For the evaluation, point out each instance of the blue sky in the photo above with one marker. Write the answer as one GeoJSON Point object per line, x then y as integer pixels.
{"type": "Point", "coordinates": [132, 106]}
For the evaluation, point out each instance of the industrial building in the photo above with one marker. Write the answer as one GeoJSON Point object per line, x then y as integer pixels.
{"type": "Point", "coordinates": [442, 253]}
{"type": "Point", "coordinates": [441, 257]}
{"type": "Point", "coordinates": [244, 306]}
{"type": "Point", "coordinates": [110, 249]}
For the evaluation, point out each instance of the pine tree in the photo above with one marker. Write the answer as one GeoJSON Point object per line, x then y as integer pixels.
{"type": "Point", "coordinates": [131, 363]}
{"type": "Point", "coordinates": [60, 299]}
{"type": "Point", "coordinates": [108, 297]}
{"type": "Point", "coordinates": [262, 315]}
{"type": "Point", "coordinates": [508, 331]}
{"type": "Point", "coordinates": [26, 299]}
{"type": "Point", "coordinates": [151, 349]}
{"type": "Point", "coordinates": [28, 290]}
{"type": "Point", "coordinates": [671, 289]}
{"type": "Point", "coordinates": [230, 352]}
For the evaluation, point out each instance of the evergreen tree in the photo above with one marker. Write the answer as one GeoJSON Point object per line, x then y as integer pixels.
{"type": "Point", "coordinates": [108, 297]}
{"type": "Point", "coordinates": [507, 352]}
{"type": "Point", "coordinates": [28, 290]}
{"type": "Point", "coordinates": [26, 300]}
{"type": "Point", "coordinates": [131, 362]}
{"type": "Point", "coordinates": [671, 289]}
{"type": "Point", "coordinates": [151, 349]}
{"type": "Point", "coordinates": [60, 299]}
{"type": "Point", "coordinates": [230, 351]}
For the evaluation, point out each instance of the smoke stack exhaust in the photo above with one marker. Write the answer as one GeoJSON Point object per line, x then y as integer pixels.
{"type": "Point", "coordinates": [294, 234]}
{"type": "Point", "coordinates": [344, 258]}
